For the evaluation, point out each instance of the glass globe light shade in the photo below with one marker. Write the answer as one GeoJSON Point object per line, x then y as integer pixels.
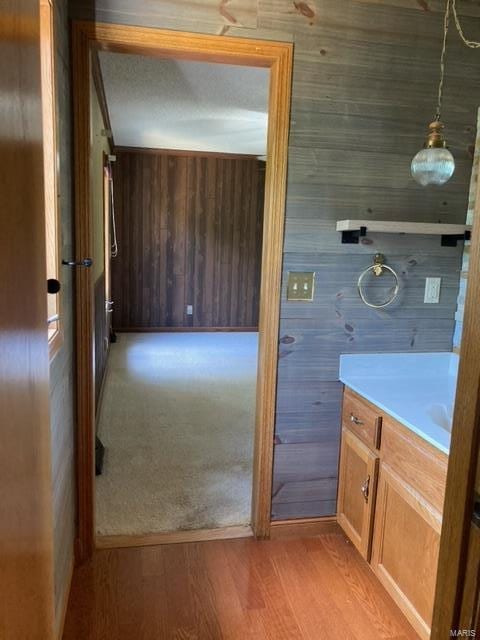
{"type": "Point", "coordinates": [434, 165]}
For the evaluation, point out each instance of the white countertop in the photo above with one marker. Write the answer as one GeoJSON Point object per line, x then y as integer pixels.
{"type": "Point", "coordinates": [417, 389]}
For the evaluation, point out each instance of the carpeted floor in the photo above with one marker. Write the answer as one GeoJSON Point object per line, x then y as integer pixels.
{"type": "Point", "coordinates": [177, 421]}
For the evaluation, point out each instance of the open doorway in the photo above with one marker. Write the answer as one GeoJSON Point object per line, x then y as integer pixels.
{"type": "Point", "coordinates": [185, 374]}
{"type": "Point", "coordinates": [176, 413]}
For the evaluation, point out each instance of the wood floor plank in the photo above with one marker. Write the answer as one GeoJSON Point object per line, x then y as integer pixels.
{"type": "Point", "coordinates": [317, 613]}
{"type": "Point", "coordinates": [306, 588]}
{"type": "Point", "coordinates": [242, 567]}
{"type": "Point", "coordinates": [278, 614]}
{"type": "Point", "coordinates": [180, 609]}
{"type": "Point", "coordinates": [232, 618]}
{"type": "Point", "coordinates": [202, 593]}
{"type": "Point", "coordinates": [343, 592]}
{"type": "Point", "coordinates": [154, 592]}
{"type": "Point", "coordinates": [128, 602]}
{"type": "Point", "coordinates": [378, 611]}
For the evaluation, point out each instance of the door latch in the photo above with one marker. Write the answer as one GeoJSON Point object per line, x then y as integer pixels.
{"type": "Point", "coordinates": [86, 262]}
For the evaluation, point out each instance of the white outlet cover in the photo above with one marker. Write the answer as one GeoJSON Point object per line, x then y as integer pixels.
{"type": "Point", "coordinates": [189, 309]}
{"type": "Point", "coordinates": [432, 290]}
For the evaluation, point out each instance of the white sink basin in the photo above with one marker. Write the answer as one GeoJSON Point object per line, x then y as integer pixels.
{"type": "Point", "coordinates": [442, 415]}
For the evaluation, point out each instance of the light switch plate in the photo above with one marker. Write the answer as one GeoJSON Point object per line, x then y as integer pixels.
{"type": "Point", "coordinates": [300, 285]}
{"type": "Point", "coordinates": [432, 290]}
{"type": "Point", "coordinates": [189, 309]}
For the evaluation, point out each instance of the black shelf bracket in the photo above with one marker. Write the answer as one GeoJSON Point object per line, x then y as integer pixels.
{"type": "Point", "coordinates": [451, 241]}
{"type": "Point", "coordinates": [353, 237]}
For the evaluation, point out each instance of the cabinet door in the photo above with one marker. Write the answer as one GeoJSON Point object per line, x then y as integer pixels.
{"type": "Point", "coordinates": [405, 548]}
{"type": "Point", "coordinates": [356, 491]}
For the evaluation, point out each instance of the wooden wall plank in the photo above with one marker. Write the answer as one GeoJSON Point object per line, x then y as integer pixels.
{"type": "Point", "coordinates": [331, 203]}
{"type": "Point", "coordinates": [310, 490]}
{"type": "Point", "coordinates": [465, 8]}
{"type": "Point", "coordinates": [209, 16]}
{"type": "Point", "coordinates": [311, 457]}
{"type": "Point", "coordinates": [304, 509]}
{"type": "Point", "coordinates": [189, 232]}
{"type": "Point", "coordinates": [362, 133]}
{"type": "Point", "coordinates": [340, 167]}
{"type": "Point", "coordinates": [313, 354]}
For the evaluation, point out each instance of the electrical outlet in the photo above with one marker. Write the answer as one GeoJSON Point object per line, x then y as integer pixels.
{"type": "Point", "coordinates": [189, 309]}
{"type": "Point", "coordinates": [432, 290]}
{"type": "Point", "coordinates": [300, 285]}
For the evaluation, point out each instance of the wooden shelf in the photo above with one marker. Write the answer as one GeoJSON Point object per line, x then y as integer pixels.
{"type": "Point", "coordinates": [352, 230]}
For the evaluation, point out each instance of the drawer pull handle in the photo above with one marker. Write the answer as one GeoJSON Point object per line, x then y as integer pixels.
{"type": "Point", "coordinates": [365, 488]}
{"type": "Point", "coordinates": [355, 420]}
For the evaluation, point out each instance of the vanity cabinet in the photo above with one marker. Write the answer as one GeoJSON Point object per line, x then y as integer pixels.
{"type": "Point", "coordinates": [396, 526]}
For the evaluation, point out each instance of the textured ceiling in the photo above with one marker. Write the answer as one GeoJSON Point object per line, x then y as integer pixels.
{"type": "Point", "coordinates": [176, 104]}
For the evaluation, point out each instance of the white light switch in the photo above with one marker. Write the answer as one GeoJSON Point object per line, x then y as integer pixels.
{"type": "Point", "coordinates": [432, 290]}
{"type": "Point", "coordinates": [189, 309]}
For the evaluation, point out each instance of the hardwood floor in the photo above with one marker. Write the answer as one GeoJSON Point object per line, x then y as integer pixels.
{"type": "Point", "coordinates": [314, 588]}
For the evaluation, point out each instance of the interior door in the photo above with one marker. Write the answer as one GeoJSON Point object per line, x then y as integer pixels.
{"type": "Point", "coordinates": [26, 538]}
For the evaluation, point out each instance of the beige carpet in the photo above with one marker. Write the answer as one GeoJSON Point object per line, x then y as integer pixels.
{"type": "Point", "coordinates": [177, 420]}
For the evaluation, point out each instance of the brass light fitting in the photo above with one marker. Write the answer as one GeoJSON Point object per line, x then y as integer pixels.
{"type": "Point", "coordinates": [435, 139]}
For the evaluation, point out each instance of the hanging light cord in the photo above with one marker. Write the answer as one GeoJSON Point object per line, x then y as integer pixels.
{"type": "Point", "coordinates": [470, 43]}
{"type": "Point", "coordinates": [450, 5]}
{"type": "Point", "coordinates": [446, 23]}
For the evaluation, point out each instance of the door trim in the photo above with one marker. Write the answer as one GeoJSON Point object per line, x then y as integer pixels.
{"type": "Point", "coordinates": [174, 537]}
{"type": "Point", "coordinates": [464, 448]}
{"type": "Point", "coordinates": [277, 57]}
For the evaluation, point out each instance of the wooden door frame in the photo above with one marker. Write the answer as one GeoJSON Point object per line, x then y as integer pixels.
{"type": "Point", "coordinates": [277, 57]}
{"type": "Point", "coordinates": [462, 465]}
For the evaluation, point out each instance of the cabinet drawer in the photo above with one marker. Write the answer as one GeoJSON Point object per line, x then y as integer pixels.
{"type": "Point", "coordinates": [362, 418]}
{"type": "Point", "coordinates": [419, 463]}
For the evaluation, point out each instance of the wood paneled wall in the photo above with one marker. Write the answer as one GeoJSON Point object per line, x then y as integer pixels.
{"type": "Point", "coordinates": [364, 86]}
{"type": "Point", "coordinates": [189, 232]}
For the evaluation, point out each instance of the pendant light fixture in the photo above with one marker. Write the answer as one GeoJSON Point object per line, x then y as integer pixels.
{"type": "Point", "coordinates": [434, 164]}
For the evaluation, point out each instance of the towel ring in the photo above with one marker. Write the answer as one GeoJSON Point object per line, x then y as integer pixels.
{"type": "Point", "coordinates": [378, 267]}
